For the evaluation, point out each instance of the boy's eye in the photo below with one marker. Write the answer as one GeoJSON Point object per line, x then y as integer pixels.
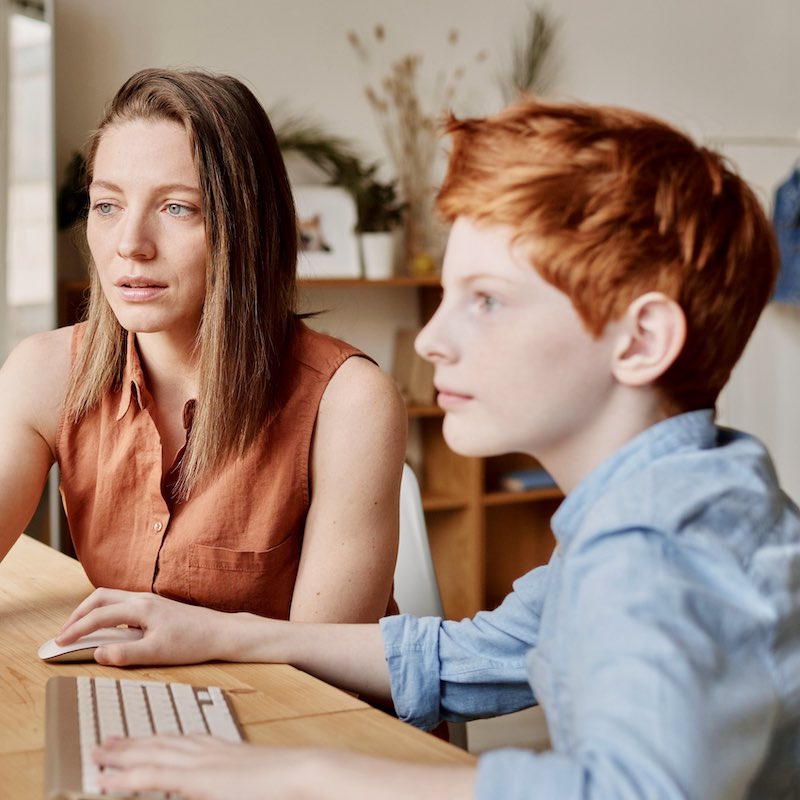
{"type": "Point", "coordinates": [486, 302]}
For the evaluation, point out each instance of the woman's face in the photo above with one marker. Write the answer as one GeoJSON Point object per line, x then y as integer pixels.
{"type": "Point", "coordinates": [146, 229]}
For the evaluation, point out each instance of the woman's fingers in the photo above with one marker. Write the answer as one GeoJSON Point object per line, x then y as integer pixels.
{"type": "Point", "coordinates": [97, 599]}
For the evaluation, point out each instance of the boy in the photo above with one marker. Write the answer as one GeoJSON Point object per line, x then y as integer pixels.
{"type": "Point", "coordinates": [602, 278]}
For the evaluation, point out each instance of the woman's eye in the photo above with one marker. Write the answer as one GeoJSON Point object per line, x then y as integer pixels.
{"type": "Point", "coordinates": [178, 210]}
{"type": "Point", "coordinates": [103, 208]}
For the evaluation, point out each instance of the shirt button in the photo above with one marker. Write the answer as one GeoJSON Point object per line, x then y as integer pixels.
{"type": "Point", "coordinates": [157, 526]}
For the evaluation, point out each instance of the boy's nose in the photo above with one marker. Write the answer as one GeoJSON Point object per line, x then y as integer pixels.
{"type": "Point", "coordinates": [433, 342]}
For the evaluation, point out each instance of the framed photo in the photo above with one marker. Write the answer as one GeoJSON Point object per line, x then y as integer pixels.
{"type": "Point", "coordinates": [326, 221]}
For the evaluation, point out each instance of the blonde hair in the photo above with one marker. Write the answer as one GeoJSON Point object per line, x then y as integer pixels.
{"type": "Point", "coordinates": [251, 233]}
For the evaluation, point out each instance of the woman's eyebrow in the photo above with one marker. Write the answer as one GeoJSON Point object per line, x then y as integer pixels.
{"type": "Point", "coordinates": [166, 187]}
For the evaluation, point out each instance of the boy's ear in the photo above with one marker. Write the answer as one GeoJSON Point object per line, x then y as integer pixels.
{"type": "Point", "coordinates": [651, 335]}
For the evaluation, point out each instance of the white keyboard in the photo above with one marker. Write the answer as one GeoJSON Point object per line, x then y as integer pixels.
{"type": "Point", "coordinates": [83, 711]}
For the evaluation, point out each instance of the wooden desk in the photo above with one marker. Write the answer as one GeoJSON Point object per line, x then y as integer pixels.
{"type": "Point", "coordinates": [277, 704]}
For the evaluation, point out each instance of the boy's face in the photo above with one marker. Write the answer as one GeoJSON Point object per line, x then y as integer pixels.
{"type": "Point", "coordinates": [516, 371]}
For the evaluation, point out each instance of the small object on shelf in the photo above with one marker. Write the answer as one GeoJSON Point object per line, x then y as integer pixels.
{"type": "Point", "coordinates": [326, 218]}
{"type": "Point", "coordinates": [523, 480]}
{"type": "Point", "coordinates": [377, 254]}
{"type": "Point", "coordinates": [422, 264]}
{"type": "Point", "coordinates": [414, 375]}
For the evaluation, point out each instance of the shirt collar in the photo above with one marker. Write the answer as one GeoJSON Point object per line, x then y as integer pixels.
{"type": "Point", "coordinates": [132, 379]}
{"type": "Point", "coordinates": [692, 429]}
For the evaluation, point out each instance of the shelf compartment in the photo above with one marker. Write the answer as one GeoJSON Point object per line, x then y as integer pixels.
{"type": "Point", "coordinates": [530, 496]}
{"type": "Point", "coordinates": [518, 539]}
{"type": "Point", "coordinates": [398, 280]}
{"type": "Point", "coordinates": [442, 502]}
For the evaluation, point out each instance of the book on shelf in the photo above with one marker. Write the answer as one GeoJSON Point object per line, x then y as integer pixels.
{"type": "Point", "coordinates": [523, 480]}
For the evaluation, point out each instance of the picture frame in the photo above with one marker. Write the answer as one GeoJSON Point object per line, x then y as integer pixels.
{"type": "Point", "coordinates": [326, 221]}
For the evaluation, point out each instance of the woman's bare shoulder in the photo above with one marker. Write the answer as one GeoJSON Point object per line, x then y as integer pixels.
{"type": "Point", "coordinates": [46, 355]}
{"type": "Point", "coordinates": [361, 387]}
{"type": "Point", "coordinates": [33, 379]}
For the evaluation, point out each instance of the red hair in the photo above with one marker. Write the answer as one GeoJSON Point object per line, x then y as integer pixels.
{"type": "Point", "coordinates": [610, 204]}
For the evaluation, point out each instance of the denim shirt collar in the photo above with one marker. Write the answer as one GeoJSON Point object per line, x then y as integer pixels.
{"type": "Point", "coordinates": [695, 428]}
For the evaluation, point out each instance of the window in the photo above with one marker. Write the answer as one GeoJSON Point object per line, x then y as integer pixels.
{"type": "Point", "coordinates": [29, 241]}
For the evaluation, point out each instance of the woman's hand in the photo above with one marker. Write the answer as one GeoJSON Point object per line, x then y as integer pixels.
{"type": "Point", "coordinates": [174, 633]}
{"type": "Point", "coordinates": [349, 656]}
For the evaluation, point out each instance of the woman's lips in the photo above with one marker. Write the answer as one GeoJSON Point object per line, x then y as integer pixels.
{"type": "Point", "coordinates": [139, 289]}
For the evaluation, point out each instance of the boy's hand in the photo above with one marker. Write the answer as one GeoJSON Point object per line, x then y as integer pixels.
{"type": "Point", "coordinates": [202, 768]}
{"type": "Point", "coordinates": [197, 768]}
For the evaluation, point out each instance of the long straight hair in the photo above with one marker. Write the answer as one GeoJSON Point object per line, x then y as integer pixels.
{"type": "Point", "coordinates": [251, 235]}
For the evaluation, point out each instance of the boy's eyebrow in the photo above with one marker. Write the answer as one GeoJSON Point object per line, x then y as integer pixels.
{"type": "Point", "coordinates": [466, 280]}
{"type": "Point", "coordinates": [166, 187]}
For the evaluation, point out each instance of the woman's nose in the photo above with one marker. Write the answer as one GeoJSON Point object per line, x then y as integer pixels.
{"type": "Point", "coordinates": [136, 241]}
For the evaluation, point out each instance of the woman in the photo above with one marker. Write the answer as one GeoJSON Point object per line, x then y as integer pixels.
{"type": "Point", "coordinates": [211, 447]}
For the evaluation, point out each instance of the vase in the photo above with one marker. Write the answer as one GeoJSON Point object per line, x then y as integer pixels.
{"type": "Point", "coordinates": [377, 255]}
{"type": "Point", "coordinates": [423, 245]}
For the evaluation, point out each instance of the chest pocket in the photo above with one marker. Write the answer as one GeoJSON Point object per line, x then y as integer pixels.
{"type": "Point", "coordinates": [259, 581]}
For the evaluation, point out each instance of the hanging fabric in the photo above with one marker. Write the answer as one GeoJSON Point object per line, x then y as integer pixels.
{"type": "Point", "coordinates": [786, 218]}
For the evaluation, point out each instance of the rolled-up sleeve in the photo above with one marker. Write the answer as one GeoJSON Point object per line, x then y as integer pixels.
{"type": "Point", "coordinates": [442, 669]}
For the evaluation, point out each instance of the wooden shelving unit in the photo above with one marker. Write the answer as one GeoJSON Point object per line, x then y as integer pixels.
{"type": "Point", "coordinates": [481, 538]}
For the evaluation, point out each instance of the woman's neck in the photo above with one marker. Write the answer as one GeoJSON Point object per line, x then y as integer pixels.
{"type": "Point", "coordinates": [170, 367]}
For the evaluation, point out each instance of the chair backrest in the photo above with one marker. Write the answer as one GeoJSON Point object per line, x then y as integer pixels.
{"type": "Point", "coordinates": [415, 587]}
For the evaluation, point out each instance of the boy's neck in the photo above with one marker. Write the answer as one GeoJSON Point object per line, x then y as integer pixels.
{"type": "Point", "coordinates": [631, 412]}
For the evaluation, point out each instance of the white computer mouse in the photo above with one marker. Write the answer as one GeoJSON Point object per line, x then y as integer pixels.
{"type": "Point", "coordinates": [83, 649]}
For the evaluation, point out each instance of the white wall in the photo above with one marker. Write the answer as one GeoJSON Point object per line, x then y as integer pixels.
{"type": "Point", "coordinates": [715, 67]}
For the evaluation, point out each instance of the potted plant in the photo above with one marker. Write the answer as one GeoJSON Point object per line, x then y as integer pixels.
{"type": "Point", "coordinates": [379, 214]}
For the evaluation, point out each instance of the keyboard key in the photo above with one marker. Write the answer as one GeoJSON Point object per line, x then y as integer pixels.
{"type": "Point", "coordinates": [109, 712]}
{"type": "Point", "coordinates": [137, 715]}
{"type": "Point", "coordinates": [163, 713]}
{"type": "Point", "coordinates": [188, 711]}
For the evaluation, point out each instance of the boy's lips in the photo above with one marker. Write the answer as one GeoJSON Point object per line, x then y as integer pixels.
{"type": "Point", "coordinates": [447, 397]}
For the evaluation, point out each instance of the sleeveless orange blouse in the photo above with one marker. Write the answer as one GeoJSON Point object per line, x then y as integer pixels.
{"type": "Point", "coordinates": [235, 544]}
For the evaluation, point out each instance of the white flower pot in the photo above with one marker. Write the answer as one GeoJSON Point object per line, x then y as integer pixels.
{"type": "Point", "coordinates": [377, 255]}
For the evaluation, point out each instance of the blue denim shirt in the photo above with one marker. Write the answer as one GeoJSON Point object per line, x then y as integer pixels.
{"type": "Point", "coordinates": [662, 639]}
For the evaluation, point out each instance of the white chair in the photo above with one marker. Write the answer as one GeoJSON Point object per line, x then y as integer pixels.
{"type": "Point", "coordinates": [415, 587]}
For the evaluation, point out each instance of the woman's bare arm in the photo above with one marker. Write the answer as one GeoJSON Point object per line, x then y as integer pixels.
{"type": "Point", "coordinates": [350, 541]}
{"type": "Point", "coordinates": [32, 385]}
